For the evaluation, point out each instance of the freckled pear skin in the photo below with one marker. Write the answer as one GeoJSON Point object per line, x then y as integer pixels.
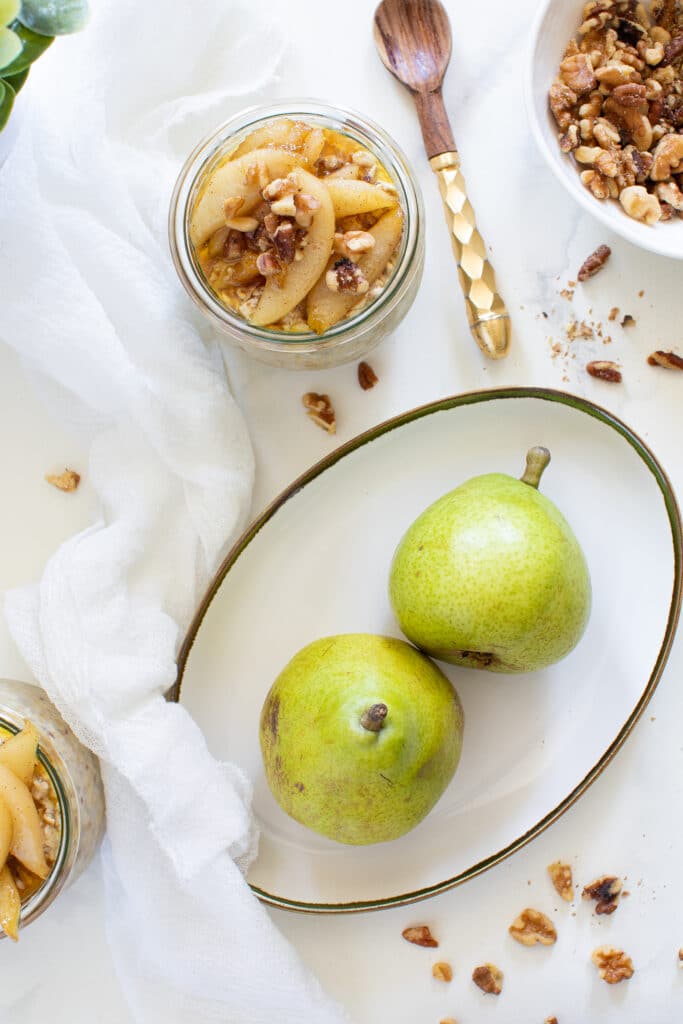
{"type": "Point", "coordinates": [360, 735]}
{"type": "Point", "coordinates": [491, 576]}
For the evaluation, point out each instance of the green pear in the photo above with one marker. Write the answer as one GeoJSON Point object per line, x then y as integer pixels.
{"type": "Point", "coordinates": [491, 576]}
{"type": "Point", "coordinates": [360, 735]}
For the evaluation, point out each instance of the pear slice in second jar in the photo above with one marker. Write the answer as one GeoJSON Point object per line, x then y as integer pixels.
{"type": "Point", "coordinates": [10, 904]}
{"type": "Point", "coordinates": [280, 297]}
{"type": "Point", "coordinates": [326, 308]}
{"type": "Point", "coordinates": [6, 832]}
{"type": "Point", "coordinates": [18, 753]}
{"type": "Point", "coordinates": [27, 836]}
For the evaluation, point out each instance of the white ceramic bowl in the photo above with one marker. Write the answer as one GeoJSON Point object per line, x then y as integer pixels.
{"type": "Point", "coordinates": [556, 23]}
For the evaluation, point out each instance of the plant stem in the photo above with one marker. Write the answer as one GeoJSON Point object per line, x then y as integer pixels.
{"type": "Point", "coordinates": [537, 459]}
{"type": "Point", "coordinates": [373, 718]}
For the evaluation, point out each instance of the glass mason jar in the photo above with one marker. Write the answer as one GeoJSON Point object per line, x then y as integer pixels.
{"type": "Point", "coordinates": [352, 337]}
{"type": "Point", "coordinates": [74, 776]}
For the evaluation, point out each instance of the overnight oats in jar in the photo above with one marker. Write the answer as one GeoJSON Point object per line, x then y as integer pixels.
{"type": "Point", "coordinates": [298, 230]}
{"type": "Point", "coordinates": [51, 805]}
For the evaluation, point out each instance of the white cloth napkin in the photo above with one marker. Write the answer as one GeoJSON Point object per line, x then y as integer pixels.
{"type": "Point", "coordinates": [94, 307]}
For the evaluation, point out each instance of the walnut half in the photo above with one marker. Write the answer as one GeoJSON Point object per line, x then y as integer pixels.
{"type": "Point", "coordinates": [319, 409]}
{"type": "Point", "coordinates": [613, 964]}
{"type": "Point", "coordinates": [605, 891]}
{"type": "Point", "coordinates": [532, 927]}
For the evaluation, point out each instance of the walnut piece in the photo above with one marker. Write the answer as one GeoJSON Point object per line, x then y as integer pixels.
{"type": "Point", "coordinates": [420, 935]}
{"type": "Point", "coordinates": [319, 409]}
{"type": "Point", "coordinates": [561, 877]}
{"type": "Point", "coordinates": [442, 971]}
{"type": "Point", "coordinates": [66, 481]}
{"type": "Point", "coordinates": [595, 262]}
{"type": "Point", "coordinates": [353, 243]}
{"type": "Point", "coordinates": [669, 360]}
{"type": "Point", "coordinates": [667, 157]}
{"type": "Point", "coordinates": [346, 276]}
{"type": "Point", "coordinates": [680, 957]}
{"type": "Point", "coordinates": [613, 964]}
{"type": "Point", "coordinates": [576, 71]}
{"type": "Point", "coordinates": [605, 890]}
{"type": "Point", "coordinates": [489, 979]}
{"type": "Point", "coordinates": [640, 204]}
{"type": "Point", "coordinates": [532, 927]}
{"type": "Point", "coordinates": [603, 369]}
{"type": "Point", "coordinates": [367, 378]}
{"type": "Point", "coordinates": [550, 1020]}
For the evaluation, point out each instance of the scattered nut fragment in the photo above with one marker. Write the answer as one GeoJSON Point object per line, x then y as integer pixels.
{"type": "Point", "coordinates": [680, 957]}
{"type": "Point", "coordinates": [442, 971]}
{"type": "Point", "coordinates": [531, 927]}
{"type": "Point", "coordinates": [595, 262]}
{"type": "Point", "coordinates": [448, 1020]}
{"type": "Point", "coordinates": [669, 360]}
{"type": "Point", "coordinates": [550, 1020]}
{"type": "Point", "coordinates": [66, 481]}
{"type": "Point", "coordinates": [420, 935]}
{"type": "Point", "coordinates": [605, 891]}
{"type": "Point", "coordinates": [319, 409]}
{"type": "Point", "coordinates": [613, 964]}
{"type": "Point", "coordinates": [367, 378]}
{"type": "Point", "coordinates": [603, 369]}
{"type": "Point", "coordinates": [613, 313]}
{"type": "Point", "coordinates": [628, 321]}
{"type": "Point", "coordinates": [561, 877]}
{"type": "Point", "coordinates": [489, 979]}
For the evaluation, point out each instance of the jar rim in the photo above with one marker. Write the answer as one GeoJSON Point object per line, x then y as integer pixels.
{"type": "Point", "coordinates": [214, 144]}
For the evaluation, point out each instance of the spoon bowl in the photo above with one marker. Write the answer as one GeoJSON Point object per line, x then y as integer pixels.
{"type": "Point", "coordinates": [413, 40]}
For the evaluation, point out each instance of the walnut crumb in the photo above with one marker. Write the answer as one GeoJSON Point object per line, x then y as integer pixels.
{"type": "Point", "coordinates": [595, 262]}
{"type": "Point", "coordinates": [628, 321]}
{"type": "Point", "coordinates": [488, 978]}
{"type": "Point", "coordinates": [532, 927]}
{"type": "Point", "coordinates": [613, 964]}
{"type": "Point", "coordinates": [567, 293]}
{"type": "Point", "coordinates": [448, 1020]}
{"type": "Point", "coordinates": [680, 957]}
{"type": "Point", "coordinates": [420, 935]}
{"type": "Point", "coordinates": [550, 1020]}
{"type": "Point", "coordinates": [66, 481]}
{"type": "Point", "coordinates": [604, 370]}
{"type": "Point", "coordinates": [561, 877]}
{"type": "Point", "coordinates": [319, 409]}
{"type": "Point", "coordinates": [613, 313]}
{"type": "Point", "coordinates": [367, 378]}
{"type": "Point", "coordinates": [605, 891]}
{"type": "Point", "coordinates": [442, 971]}
{"type": "Point", "coordinates": [669, 360]}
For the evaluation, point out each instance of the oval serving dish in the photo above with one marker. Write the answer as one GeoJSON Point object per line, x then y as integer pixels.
{"type": "Point", "coordinates": [315, 563]}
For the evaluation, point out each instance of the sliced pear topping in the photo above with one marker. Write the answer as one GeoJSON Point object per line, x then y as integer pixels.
{"type": "Point", "coordinates": [351, 198]}
{"type": "Point", "coordinates": [6, 832]}
{"type": "Point", "coordinates": [27, 839]}
{"type": "Point", "coordinates": [10, 904]}
{"type": "Point", "coordinates": [19, 753]}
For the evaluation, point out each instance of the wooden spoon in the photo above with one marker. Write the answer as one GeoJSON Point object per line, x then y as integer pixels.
{"type": "Point", "coordinates": [413, 39]}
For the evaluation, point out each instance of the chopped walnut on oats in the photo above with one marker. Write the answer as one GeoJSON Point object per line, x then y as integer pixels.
{"type": "Point", "coordinates": [66, 481]}
{"type": "Point", "coordinates": [319, 409]}
{"type": "Point", "coordinates": [488, 978]}
{"type": "Point", "coordinates": [605, 891]}
{"type": "Point", "coordinates": [420, 935]}
{"type": "Point", "coordinates": [561, 877]}
{"type": "Point", "coordinates": [532, 927]}
{"type": "Point", "coordinates": [613, 964]}
{"type": "Point", "coordinates": [346, 276]}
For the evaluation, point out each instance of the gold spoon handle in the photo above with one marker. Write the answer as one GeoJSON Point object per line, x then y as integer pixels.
{"type": "Point", "coordinates": [488, 318]}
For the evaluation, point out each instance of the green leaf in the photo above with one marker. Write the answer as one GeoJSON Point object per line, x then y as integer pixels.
{"type": "Point", "coordinates": [9, 10]}
{"type": "Point", "coordinates": [34, 45]}
{"type": "Point", "coordinates": [16, 81]}
{"type": "Point", "coordinates": [54, 17]}
{"type": "Point", "coordinates": [6, 103]}
{"type": "Point", "coordinates": [10, 47]}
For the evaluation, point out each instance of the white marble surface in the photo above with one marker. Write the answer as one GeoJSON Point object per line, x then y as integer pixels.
{"type": "Point", "coordinates": [629, 822]}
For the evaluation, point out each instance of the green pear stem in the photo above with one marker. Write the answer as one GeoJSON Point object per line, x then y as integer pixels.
{"type": "Point", "coordinates": [373, 718]}
{"type": "Point", "coordinates": [537, 459]}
